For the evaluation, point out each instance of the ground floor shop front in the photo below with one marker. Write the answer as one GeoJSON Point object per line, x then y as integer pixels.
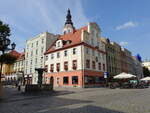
{"type": "Point", "coordinates": [79, 78]}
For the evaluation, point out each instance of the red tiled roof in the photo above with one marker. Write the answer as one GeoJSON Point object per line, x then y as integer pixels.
{"type": "Point", "coordinates": [22, 55]}
{"type": "Point", "coordinates": [15, 53]}
{"type": "Point", "coordinates": [74, 37]}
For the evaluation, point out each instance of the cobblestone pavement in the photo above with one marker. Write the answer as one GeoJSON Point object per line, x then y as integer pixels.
{"type": "Point", "coordinates": [90, 100]}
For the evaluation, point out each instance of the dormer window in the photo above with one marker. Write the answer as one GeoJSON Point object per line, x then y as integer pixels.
{"type": "Point", "coordinates": [59, 44]}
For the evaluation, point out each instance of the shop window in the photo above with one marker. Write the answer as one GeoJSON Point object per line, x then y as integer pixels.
{"type": "Point", "coordinates": [74, 79]}
{"type": "Point", "coordinates": [65, 80]}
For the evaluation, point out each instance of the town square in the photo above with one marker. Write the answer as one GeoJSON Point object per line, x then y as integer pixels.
{"type": "Point", "coordinates": [74, 56]}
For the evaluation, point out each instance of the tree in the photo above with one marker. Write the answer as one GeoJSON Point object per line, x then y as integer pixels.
{"type": "Point", "coordinates": [146, 71]}
{"type": "Point", "coordinates": [7, 58]}
{"type": "Point", "coordinates": [4, 33]}
{"type": "Point", "coordinates": [4, 30]}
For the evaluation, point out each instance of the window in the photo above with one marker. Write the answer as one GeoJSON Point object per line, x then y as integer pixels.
{"type": "Point", "coordinates": [87, 50]}
{"type": "Point", "coordinates": [52, 68]}
{"type": "Point", "coordinates": [92, 42]}
{"type": "Point", "coordinates": [104, 67]}
{"type": "Point", "coordinates": [58, 67]}
{"type": "Point", "coordinates": [27, 55]}
{"type": "Point", "coordinates": [74, 51]}
{"type": "Point", "coordinates": [46, 58]}
{"type": "Point", "coordinates": [65, 65]}
{"type": "Point", "coordinates": [36, 43]}
{"type": "Point", "coordinates": [74, 79]}
{"type": "Point", "coordinates": [31, 53]}
{"type": "Point", "coordinates": [58, 44]}
{"type": "Point", "coordinates": [58, 55]}
{"type": "Point", "coordinates": [18, 63]}
{"type": "Point", "coordinates": [93, 52]}
{"type": "Point", "coordinates": [103, 57]}
{"type": "Point", "coordinates": [65, 80]}
{"type": "Point", "coordinates": [87, 63]}
{"type": "Point", "coordinates": [32, 44]}
{"type": "Point", "coordinates": [42, 41]}
{"type": "Point", "coordinates": [99, 66]}
{"type": "Point", "coordinates": [22, 63]}
{"type": "Point", "coordinates": [42, 50]}
{"type": "Point", "coordinates": [52, 56]}
{"type": "Point", "coordinates": [31, 62]}
{"type": "Point", "coordinates": [65, 53]}
{"type": "Point", "coordinates": [30, 70]}
{"type": "Point", "coordinates": [74, 64]}
{"type": "Point", "coordinates": [93, 64]}
{"type": "Point", "coordinates": [46, 68]}
{"type": "Point", "coordinates": [35, 60]}
{"type": "Point", "coordinates": [99, 55]}
{"type": "Point", "coordinates": [26, 63]}
{"type": "Point", "coordinates": [36, 51]}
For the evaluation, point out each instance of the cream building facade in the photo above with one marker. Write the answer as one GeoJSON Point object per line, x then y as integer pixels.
{"type": "Point", "coordinates": [77, 58]}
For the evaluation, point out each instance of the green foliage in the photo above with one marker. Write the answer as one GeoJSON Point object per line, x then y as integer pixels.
{"type": "Point", "coordinates": [146, 72]}
{"type": "Point", "coordinates": [4, 30]}
{"type": "Point", "coordinates": [7, 58]}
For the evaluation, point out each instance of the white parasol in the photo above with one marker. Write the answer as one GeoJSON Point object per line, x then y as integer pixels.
{"type": "Point", "coordinates": [124, 76]}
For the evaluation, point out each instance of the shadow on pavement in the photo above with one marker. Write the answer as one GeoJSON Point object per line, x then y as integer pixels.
{"type": "Point", "coordinates": [83, 109]}
{"type": "Point", "coordinates": [19, 96]}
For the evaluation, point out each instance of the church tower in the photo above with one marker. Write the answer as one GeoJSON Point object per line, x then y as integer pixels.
{"type": "Point", "coordinates": [68, 24]}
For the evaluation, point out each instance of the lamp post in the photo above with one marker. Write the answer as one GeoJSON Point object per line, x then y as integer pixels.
{"type": "Point", "coordinates": [4, 43]}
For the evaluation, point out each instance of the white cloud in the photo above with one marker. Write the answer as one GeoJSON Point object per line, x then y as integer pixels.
{"type": "Point", "coordinates": [31, 17]}
{"type": "Point", "coordinates": [123, 43]}
{"type": "Point", "coordinates": [126, 25]}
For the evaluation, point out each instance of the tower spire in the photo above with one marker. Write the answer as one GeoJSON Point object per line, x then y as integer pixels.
{"type": "Point", "coordinates": [68, 27]}
{"type": "Point", "coordinates": [68, 18]}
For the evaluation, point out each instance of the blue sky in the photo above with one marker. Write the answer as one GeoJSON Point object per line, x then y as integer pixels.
{"type": "Point", "coordinates": [125, 21]}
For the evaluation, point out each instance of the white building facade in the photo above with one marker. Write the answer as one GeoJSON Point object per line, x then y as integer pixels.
{"type": "Point", "coordinates": [34, 53]}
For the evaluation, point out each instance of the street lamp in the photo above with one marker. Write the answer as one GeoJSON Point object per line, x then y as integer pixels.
{"type": "Point", "coordinates": [13, 45]}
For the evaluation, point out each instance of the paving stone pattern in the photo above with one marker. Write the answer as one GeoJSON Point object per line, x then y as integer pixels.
{"type": "Point", "coordinates": [77, 100]}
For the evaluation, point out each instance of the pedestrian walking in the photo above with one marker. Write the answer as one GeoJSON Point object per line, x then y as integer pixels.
{"type": "Point", "coordinates": [19, 86]}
